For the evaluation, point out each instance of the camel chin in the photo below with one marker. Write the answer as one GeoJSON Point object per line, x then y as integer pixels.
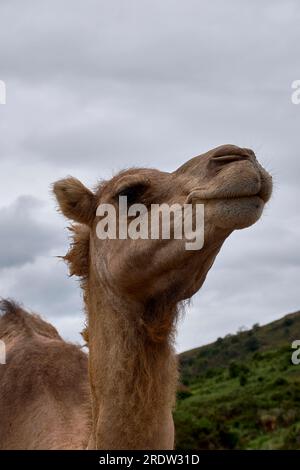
{"type": "Point", "coordinates": [237, 213]}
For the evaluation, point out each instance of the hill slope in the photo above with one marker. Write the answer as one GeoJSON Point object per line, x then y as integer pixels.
{"type": "Point", "coordinates": [241, 392]}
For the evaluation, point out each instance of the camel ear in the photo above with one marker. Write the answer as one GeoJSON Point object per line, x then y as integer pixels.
{"type": "Point", "coordinates": [75, 201]}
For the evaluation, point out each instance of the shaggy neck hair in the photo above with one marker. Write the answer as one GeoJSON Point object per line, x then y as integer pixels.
{"type": "Point", "coordinates": [132, 364]}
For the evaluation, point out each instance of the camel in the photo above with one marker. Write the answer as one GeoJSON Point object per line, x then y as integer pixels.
{"type": "Point", "coordinates": [122, 396]}
{"type": "Point", "coordinates": [44, 397]}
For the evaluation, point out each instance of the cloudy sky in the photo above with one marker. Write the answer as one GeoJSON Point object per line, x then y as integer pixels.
{"type": "Point", "coordinates": [94, 86]}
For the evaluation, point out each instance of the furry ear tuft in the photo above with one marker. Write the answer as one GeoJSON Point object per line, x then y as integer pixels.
{"type": "Point", "coordinates": [75, 201]}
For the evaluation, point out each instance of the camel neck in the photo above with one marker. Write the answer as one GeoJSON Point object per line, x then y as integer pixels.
{"type": "Point", "coordinates": [133, 380]}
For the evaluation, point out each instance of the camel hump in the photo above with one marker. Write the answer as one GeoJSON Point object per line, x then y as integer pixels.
{"type": "Point", "coordinates": [15, 320]}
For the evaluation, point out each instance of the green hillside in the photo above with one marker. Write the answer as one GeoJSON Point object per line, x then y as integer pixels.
{"type": "Point", "coordinates": [241, 392]}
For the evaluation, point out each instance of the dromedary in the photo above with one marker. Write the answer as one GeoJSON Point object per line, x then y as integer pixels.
{"type": "Point", "coordinates": [132, 292]}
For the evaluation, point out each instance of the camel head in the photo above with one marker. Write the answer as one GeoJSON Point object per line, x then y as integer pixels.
{"type": "Point", "coordinates": [228, 181]}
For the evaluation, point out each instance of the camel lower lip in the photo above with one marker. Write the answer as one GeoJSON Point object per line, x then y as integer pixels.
{"type": "Point", "coordinates": [245, 197]}
{"type": "Point", "coordinates": [234, 198]}
{"type": "Point", "coordinates": [255, 196]}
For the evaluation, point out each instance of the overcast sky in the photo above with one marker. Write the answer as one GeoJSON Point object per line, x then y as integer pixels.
{"type": "Point", "coordinates": [95, 86]}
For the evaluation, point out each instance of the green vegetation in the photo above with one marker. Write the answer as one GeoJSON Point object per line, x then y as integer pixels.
{"type": "Point", "coordinates": [241, 392]}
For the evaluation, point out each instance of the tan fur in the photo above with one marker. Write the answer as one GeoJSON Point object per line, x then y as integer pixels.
{"type": "Point", "coordinates": [43, 385]}
{"type": "Point", "coordinates": [76, 201]}
{"type": "Point", "coordinates": [134, 291]}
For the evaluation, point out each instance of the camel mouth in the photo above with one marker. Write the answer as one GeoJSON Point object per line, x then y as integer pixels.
{"type": "Point", "coordinates": [259, 198]}
{"type": "Point", "coordinates": [259, 195]}
{"type": "Point", "coordinates": [263, 193]}
{"type": "Point", "coordinates": [238, 197]}
{"type": "Point", "coordinates": [260, 187]}
{"type": "Point", "coordinates": [194, 196]}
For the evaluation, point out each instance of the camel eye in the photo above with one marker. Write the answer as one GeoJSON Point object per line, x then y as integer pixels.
{"type": "Point", "coordinates": [134, 193]}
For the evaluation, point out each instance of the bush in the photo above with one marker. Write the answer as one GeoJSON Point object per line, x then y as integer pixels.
{"type": "Point", "coordinates": [211, 373]}
{"type": "Point", "coordinates": [252, 344]}
{"type": "Point", "coordinates": [236, 370]}
{"type": "Point", "coordinates": [288, 322]}
{"type": "Point", "coordinates": [292, 440]}
{"type": "Point", "coordinates": [235, 339]}
{"type": "Point", "coordinates": [229, 439]}
{"type": "Point", "coordinates": [243, 380]}
{"type": "Point", "coordinates": [182, 395]}
{"type": "Point", "coordinates": [257, 356]}
{"type": "Point", "coordinates": [183, 391]}
{"type": "Point", "coordinates": [279, 382]}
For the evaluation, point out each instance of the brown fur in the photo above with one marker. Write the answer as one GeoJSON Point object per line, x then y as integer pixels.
{"type": "Point", "coordinates": [78, 255]}
{"type": "Point", "coordinates": [40, 368]}
{"type": "Point", "coordinates": [75, 198]}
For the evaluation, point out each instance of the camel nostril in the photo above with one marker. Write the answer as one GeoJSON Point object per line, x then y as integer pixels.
{"type": "Point", "coordinates": [223, 159]}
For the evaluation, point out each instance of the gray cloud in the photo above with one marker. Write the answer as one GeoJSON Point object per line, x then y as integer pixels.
{"type": "Point", "coordinates": [44, 287]}
{"type": "Point", "coordinates": [22, 237]}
